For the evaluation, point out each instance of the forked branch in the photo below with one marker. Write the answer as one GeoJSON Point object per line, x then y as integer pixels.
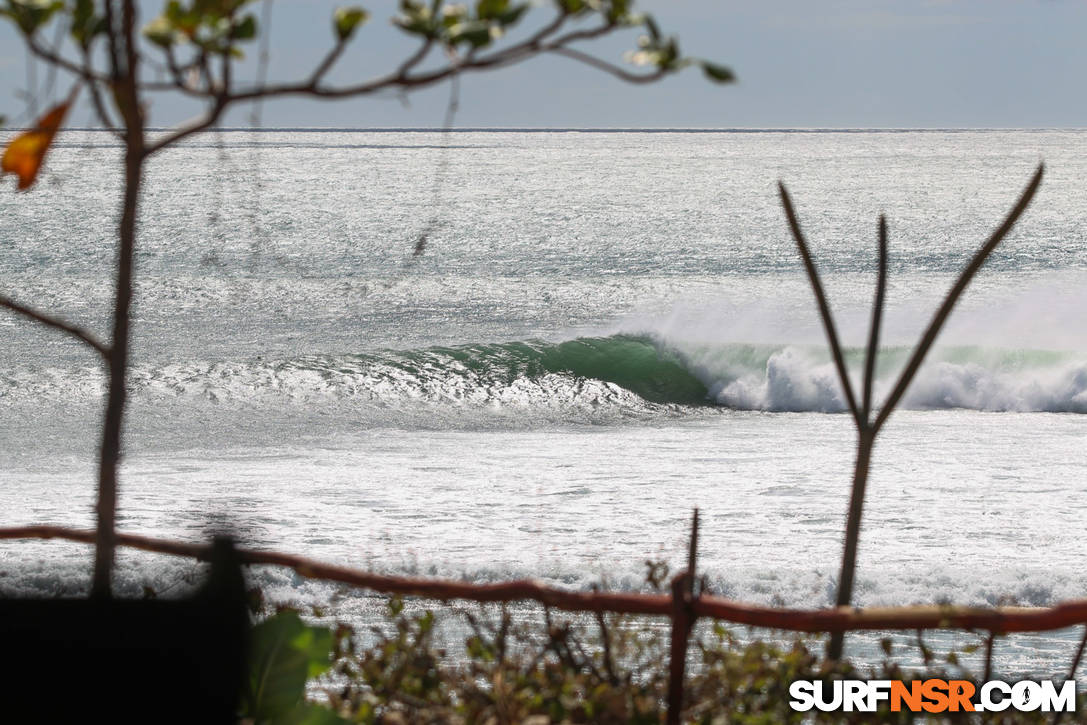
{"type": "Point", "coordinates": [867, 429]}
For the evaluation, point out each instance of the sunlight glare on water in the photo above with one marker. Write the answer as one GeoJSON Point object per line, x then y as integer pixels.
{"type": "Point", "coordinates": [606, 331]}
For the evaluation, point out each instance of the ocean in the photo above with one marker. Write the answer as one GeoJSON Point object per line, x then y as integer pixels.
{"type": "Point", "coordinates": [605, 330]}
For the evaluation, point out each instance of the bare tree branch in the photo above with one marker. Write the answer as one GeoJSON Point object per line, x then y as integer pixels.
{"type": "Point", "coordinates": [938, 320]}
{"type": "Point", "coordinates": [85, 72]}
{"type": "Point", "coordinates": [415, 58]}
{"type": "Point", "coordinates": [824, 307]}
{"type": "Point", "coordinates": [197, 126]}
{"type": "Point", "coordinates": [618, 72]}
{"type": "Point", "coordinates": [57, 60]}
{"type": "Point", "coordinates": [867, 431]}
{"type": "Point", "coordinates": [111, 35]}
{"type": "Point", "coordinates": [96, 98]}
{"type": "Point", "coordinates": [56, 323]}
{"type": "Point", "coordinates": [402, 77]}
{"type": "Point", "coordinates": [227, 72]}
{"type": "Point", "coordinates": [877, 319]}
{"type": "Point", "coordinates": [325, 65]}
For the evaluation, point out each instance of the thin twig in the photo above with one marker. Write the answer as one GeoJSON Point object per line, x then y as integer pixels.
{"type": "Point", "coordinates": [926, 653]}
{"type": "Point", "coordinates": [51, 76]}
{"type": "Point", "coordinates": [824, 307]}
{"type": "Point", "coordinates": [57, 324]}
{"type": "Point", "coordinates": [877, 319]}
{"type": "Point", "coordinates": [692, 554]}
{"type": "Point", "coordinates": [100, 110]}
{"type": "Point", "coordinates": [967, 275]}
{"type": "Point", "coordinates": [401, 77]}
{"type": "Point", "coordinates": [443, 166]}
{"type": "Point", "coordinates": [989, 642]}
{"type": "Point", "coordinates": [620, 73]}
{"type": "Point", "coordinates": [111, 36]}
{"type": "Point", "coordinates": [415, 58]}
{"type": "Point", "coordinates": [586, 659]}
{"type": "Point", "coordinates": [58, 61]}
{"type": "Point", "coordinates": [329, 60]}
{"type": "Point", "coordinates": [605, 642]}
{"type": "Point", "coordinates": [196, 127]}
{"type": "Point", "coordinates": [255, 115]}
{"type": "Point", "coordinates": [32, 85]}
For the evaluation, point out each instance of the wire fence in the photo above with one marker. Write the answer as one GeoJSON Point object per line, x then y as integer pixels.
{"type": "Point", "coordinates": [684, 605]}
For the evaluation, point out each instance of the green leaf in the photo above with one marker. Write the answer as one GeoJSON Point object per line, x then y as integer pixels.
{"type": "Point", "coordinates": [619, 11]}
{"type": "Point", "coordinates": [417, 19]}
{"type": "Point", "coordinates": [473, 32]}
{"type": "Point", "coordinates": [511, 16]}
{"type": "Point", "coordinates": [347, 20]}
{"type": "Point", "coordinates": [174, 13]}
{"type": "Point", "coordinates": [453, 14]}
{"type": "Point", "coordinates": [161, 32]}
{"type": "Point", "coordinates": [284, 653]}
{"type": "Point", "coordinates": [652, 28]}
{"type": "Point", "coordinates": [246, 29]}
{"type": "Point", "coordinates": [30, 15]}
{"type": "Point", "coordinates": [85, 24]}
{"type": "Point", "coordinates": [491, 9]}
{"type": "Point", "coordinates": [717, 73]}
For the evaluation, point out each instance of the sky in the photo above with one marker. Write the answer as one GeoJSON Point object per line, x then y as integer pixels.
{"type": "Point", "coordinates": [800, 64]}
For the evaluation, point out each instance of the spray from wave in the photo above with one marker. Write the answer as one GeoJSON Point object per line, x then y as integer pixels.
{"type": "Point", "coordinates": [802, 378]}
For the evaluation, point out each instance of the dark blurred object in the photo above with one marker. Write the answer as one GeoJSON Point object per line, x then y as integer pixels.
{"type": "Point", "coordinates": [122, 661]}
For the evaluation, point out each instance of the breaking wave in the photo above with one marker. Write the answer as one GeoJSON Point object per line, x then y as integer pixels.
{"type": "Point", "coordinates": [630, 371]}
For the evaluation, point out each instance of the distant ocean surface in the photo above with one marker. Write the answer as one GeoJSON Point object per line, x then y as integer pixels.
{"type": "Point", "coordinates": [605, 330]}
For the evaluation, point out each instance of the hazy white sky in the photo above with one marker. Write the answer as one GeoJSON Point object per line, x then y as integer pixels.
{"type": "Point", "coordinates": [801, 63]}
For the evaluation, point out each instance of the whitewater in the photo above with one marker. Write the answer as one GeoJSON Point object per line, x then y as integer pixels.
{"type": "Point", "coordinates": [607, 329]}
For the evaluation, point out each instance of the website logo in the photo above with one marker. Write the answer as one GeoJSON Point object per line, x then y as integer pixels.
{"type": "Point", "coordinates": [932, 695]}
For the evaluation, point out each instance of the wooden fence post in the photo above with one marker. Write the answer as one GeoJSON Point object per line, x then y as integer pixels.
{"type": "Point", "coordinates": [683, 619]}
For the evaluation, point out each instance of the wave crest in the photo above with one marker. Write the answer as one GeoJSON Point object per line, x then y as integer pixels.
{"type": "Point", "coordinates": [618, 372]}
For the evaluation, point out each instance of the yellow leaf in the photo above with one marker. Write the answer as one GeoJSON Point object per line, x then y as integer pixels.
{"type": "Point", "coordinates": [24, 155]}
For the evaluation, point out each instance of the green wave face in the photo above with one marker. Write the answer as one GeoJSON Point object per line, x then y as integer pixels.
{"type": "Point", "coordinates": [632, 363]}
